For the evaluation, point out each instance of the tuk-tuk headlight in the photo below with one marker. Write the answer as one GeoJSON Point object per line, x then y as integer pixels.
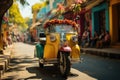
{"type": "Point", "coordinates": [52, 37]}
{"type": "Point", "coordinates": [74, 38]}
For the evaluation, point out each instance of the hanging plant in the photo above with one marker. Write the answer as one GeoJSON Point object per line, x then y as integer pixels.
{"type": "Point", "coordinates": [77, 8]}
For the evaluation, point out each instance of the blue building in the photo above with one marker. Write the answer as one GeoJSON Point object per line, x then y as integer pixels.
{"type": "Point", "coordinates": [43, 12]}
{"type": "Point", "coordinates": [100, 18]}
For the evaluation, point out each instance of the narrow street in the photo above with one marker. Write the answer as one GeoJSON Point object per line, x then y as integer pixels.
{"type": "Point", "coordinates": [24, 66]}
{"type": "Point", "coordinates": [60, 26]}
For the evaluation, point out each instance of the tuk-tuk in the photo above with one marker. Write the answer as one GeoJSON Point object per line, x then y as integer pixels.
{"type": "Point", "coordinates": [60, 45]}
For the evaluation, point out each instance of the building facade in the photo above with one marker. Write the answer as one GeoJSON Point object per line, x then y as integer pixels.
{"type": "Point", "coordinates": [100, 18]}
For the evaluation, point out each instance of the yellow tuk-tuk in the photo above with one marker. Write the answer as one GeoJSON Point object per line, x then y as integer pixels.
{"type": "Point", "coordinates": [60, 46]}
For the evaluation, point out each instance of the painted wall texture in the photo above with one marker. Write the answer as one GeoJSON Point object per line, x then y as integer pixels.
{"type": "Point", "coordinates": [113, 15]}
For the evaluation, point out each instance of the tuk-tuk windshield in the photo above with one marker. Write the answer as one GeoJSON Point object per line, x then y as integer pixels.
{"type": "Point", "coordinates": [61, 28]}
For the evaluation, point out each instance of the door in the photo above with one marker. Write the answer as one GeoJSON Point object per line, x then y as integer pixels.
{"type": "Point", "coordinates": [118, 11]}
{"type": "Point", "coordinates": [100, 21]}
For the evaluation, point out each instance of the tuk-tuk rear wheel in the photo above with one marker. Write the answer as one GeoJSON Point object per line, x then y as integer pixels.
{"type": "Point", "coordinates": [64, 63]}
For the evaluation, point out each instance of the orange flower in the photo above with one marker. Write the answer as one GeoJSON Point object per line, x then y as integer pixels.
{"type": "Point", "coordinates": [57, 21]}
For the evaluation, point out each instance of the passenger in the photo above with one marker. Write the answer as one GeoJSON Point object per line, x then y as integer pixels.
{"type": "Point", "coordinates": [100, 39]}
{"type": "Point", "coordinates": [84, 38]}
{"type": "Point", "coordinates": [107, 39]}
{"type": "Point", "coordinates": [94, 39]}
{"type": "Point", "coordinates": [88, 37]}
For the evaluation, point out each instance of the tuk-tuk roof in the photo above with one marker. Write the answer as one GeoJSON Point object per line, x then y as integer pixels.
{"type": "Point", "coordinates": [58, 21]}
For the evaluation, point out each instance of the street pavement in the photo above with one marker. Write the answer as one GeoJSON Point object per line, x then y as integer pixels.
{"type": "Point", "coordinates": [24, 66]}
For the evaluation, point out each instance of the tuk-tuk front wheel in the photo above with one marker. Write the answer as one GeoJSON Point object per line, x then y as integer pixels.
{"type": "Point", "coordinates": [64, 63]}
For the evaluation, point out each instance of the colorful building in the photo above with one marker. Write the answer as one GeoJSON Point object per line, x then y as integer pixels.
{"type": "Point", "coordinates": [100, 18]}
{"type": "Point", "coordinates": [44, 14]}
{"type": "Point", "coordinates": [114, 15]}
{"type": "Point", "coordinates": [83, 18]}
{"type": "Point", "coordinates": [105, 15]}
{"type": "Point", "coordinates": [95, 15]}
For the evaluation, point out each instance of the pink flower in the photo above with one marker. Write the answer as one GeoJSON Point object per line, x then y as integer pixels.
{"type": "Point", "coordinates": [60, 7]}
{"type": "Point", "coordinates": [78, 1]}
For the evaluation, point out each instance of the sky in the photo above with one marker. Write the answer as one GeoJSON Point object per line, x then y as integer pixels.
{"type": "Point", "coordinates": [26, 11]}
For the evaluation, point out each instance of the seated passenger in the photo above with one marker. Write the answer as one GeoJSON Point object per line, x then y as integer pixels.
{"type": "Point", "coordinates": [94, 39]}
{"type": "Point", "coordinates": [107, 39]}
{"type": "Point", "coordinates": [100, 39]}
{"type": "Point", "coordinates": [84, 38]}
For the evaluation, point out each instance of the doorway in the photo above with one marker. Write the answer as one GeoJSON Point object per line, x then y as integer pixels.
{"type": "Point", "coordinates": [102, 23]}
{"type": "Point", "coordinates": [116, 22]}
{"type": "Point", "coordinates": [118, 11]}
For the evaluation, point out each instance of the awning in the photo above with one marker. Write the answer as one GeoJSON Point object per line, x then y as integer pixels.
{"type": "Point", "coordinates": [91, 5]}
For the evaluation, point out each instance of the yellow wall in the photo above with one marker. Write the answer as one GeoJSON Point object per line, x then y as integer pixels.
{"type": "Point", "coordinates": [111, 28]}
{"type": "Point", "coordinates": [113, 20]}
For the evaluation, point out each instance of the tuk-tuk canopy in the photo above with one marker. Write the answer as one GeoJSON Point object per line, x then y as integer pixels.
{"type": "Point", "coordinates": [57, 21]}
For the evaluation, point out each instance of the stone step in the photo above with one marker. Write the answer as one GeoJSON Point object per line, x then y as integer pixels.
{"type": "Point", "coordinates": [2, 68]}
{"type": "Point", "coordinates": [6, 57]}
{"type": "Point", "coordinates": [116, 45]}
{"type": "Point", "coordinates": [108, 52]}
{"type": "Point", "coordinates": [4, 64]}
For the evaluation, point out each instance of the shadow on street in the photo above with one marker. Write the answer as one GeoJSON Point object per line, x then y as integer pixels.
{"type": "Point", "coordinates": [47, 73]}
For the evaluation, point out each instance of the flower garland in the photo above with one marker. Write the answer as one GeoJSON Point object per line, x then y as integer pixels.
{"type": "Point", "coordinates": [57, 21]}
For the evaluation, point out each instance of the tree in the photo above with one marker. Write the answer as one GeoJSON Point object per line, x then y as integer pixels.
{"type": "Point", "coordinates": [4, 6]}
{"type": "Point", "coordinates": [28, 21]}
{"type": "Point", "coordinates": [15, 16]}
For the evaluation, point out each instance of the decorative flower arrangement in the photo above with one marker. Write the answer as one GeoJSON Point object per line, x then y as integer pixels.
{"type": "Point", "coordinates": [77, 6]}
{"type": "Point", "coordinates": [57, 21]}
